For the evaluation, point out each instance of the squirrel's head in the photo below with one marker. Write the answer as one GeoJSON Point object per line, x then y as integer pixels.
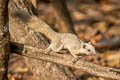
{"type": "Point", "coordinates": [88, 49]}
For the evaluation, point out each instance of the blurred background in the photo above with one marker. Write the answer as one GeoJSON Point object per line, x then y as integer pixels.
{"type": "Point", "coordinates": [97, 21]}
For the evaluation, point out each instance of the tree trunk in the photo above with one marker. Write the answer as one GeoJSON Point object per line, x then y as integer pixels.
{"type": "Point", "coordinates": [20, 33]}
{"type": "Point", "coordinates": [63, 16]}
{"type": "Point", "coordinates": [4, 40]}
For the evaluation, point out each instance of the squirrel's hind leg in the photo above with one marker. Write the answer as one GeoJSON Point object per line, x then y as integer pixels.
{"type": "Point", "coordinates": [55, 46]}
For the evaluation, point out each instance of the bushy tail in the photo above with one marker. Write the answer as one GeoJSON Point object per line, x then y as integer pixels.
{"type": "Point", "coordinates": [33, 22]}
{"type": "Point", "coordinates": [22, 15]}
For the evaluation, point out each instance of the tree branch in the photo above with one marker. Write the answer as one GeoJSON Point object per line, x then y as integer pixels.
{"type": "Point", "coordinates": [66, 60]}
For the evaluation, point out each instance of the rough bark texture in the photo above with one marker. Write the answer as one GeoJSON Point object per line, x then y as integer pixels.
{"type": "Point", "coordinates": [66, 60]}
{"type": "Point", "coordinates": [4, 40]}
{"type": "Point", "coordinates": [63, 16]}
{"type": "Point", "coordinates": [43, 70]}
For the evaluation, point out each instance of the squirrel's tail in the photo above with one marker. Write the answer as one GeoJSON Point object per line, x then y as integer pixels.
{"type": "Point", "coordinates": [34, 23]}
{"type": "Point", "coordinates": [22, 15]}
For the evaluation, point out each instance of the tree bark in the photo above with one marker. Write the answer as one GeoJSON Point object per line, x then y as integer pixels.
{"type": "Point", "coordinates": [4, 40]}
{"type": "Point", "coordinates": [22, 34]}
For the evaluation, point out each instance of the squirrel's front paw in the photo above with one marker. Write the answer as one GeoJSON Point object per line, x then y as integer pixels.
{"type": "Point", "coordinates": [76, 59]}
{"type": "Point", "coordinates": [47, 51]}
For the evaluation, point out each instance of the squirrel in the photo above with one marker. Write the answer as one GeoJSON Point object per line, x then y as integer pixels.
{"type": "Point", "coordinates": [59, 41]}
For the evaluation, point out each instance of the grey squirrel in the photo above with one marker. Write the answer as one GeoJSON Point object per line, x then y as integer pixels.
{"type": "Point", "coordinates": [59, 41]}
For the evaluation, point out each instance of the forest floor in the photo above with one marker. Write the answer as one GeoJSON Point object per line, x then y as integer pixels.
{"type": "Point", "coordinates": [98, 22]}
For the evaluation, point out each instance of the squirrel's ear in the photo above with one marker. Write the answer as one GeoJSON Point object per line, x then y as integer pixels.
{"type": "Point", "coordinates": [89, 42]}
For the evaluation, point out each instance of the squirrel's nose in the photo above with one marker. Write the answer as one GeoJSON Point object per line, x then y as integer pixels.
{"type": "Point", "coordinates": [94, 53]}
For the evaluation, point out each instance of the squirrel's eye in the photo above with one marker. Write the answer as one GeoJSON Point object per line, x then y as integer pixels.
{"type": "Point", "coordinates": [89, 50]}
{"type": "Point", "coordinates": [84, 46]}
